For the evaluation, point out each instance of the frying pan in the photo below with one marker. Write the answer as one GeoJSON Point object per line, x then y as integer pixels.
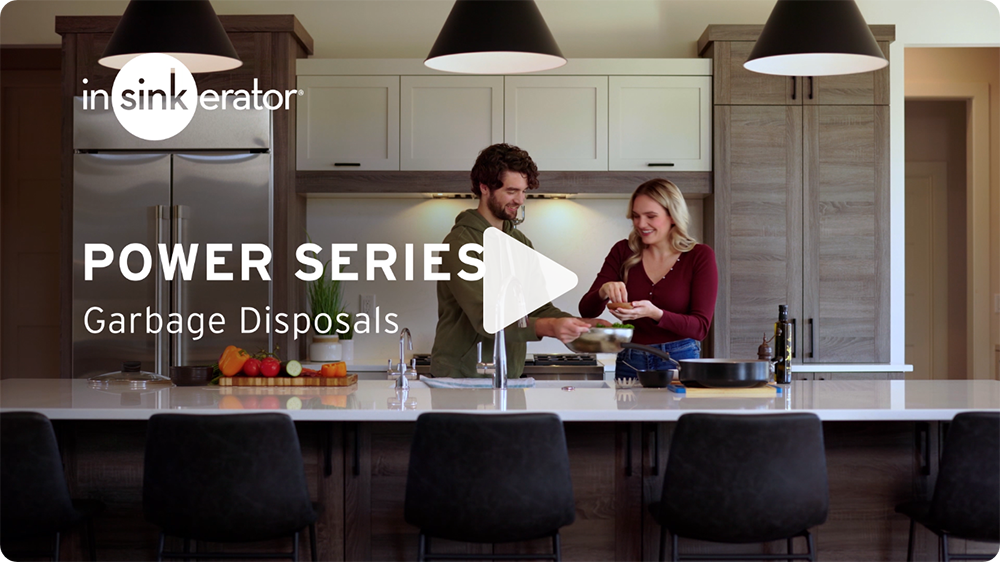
{"type": "Point", "coordinates": [713, 373]}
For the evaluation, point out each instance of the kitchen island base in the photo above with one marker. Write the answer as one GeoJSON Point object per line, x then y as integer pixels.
{"type": "Point", "coordinates": [357, 471]}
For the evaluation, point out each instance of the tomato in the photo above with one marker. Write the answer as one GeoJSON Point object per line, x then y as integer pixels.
{"type": "Point", "coordinates": [270, 367]}
{"type": "Point", "coordinates": [252, 367]}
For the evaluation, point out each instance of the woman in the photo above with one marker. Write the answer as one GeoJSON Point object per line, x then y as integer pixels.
{"type": "Point", "coordinates": [659, 280]}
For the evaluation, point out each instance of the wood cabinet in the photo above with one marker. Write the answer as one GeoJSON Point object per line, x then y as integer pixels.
{"type": "Point", "coordinates": [446, 120]}
{"type": "Point", "coordinates": [660, 122]}
{"type": "Point", "coordinates": [800, 212]}
{"type": "Point", "coordinates": [348, 123]}
{"type": "Point", "coordinates": [562, 121]}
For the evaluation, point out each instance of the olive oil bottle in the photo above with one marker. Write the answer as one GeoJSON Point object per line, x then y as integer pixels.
{"type": "Point", "coordinates": [783, 346]}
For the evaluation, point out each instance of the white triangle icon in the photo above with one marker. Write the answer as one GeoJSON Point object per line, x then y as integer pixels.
{"type": "Point", "coordinates": [517, 280]}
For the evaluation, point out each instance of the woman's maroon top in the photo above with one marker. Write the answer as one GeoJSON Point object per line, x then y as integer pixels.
{"type": "Point", "coordinates": [686, 295]}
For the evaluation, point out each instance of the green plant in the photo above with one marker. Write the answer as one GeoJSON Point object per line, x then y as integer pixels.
{"type": "Point", "coordinates": [325, 297]}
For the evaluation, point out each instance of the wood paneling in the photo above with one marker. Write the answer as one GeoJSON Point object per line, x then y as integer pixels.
{"type": "Point", "coordinates": [30, 232]}
{"type": "Point", "coordinates": [843, 149]}
{"type": "Point", "coordinates": [761, 222]}
{"type": "Point", "coordinates": [692, 184]}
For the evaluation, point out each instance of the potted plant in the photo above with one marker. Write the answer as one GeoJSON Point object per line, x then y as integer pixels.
{"type": "Point", "coordinates": [325, 297]}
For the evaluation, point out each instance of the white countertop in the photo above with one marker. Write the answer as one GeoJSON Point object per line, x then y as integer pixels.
{"type": "Point", "coordinates": [589, 400]}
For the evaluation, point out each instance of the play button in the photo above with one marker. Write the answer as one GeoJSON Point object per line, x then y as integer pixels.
{"type": "Point", "coordinates": [512, 269]}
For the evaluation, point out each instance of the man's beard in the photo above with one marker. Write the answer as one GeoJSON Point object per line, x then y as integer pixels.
{"type": "Point", "coordinates": [498, 210]}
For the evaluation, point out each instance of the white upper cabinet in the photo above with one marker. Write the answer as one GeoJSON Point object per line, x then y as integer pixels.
{"type": "Point", "coordinates": [660, 122]}
{"type": "Point", "coordinates": [446, 120]}
{"type": "Point", "coordinates": [562, 121]}
{"type": "Point", "coordinates": [348, 123]}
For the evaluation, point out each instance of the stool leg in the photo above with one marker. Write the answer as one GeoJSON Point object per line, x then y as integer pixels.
{"type": "Point", "coordinates": [790, 549]}
{"type": "Point", "coordinates": [945, 555]}
{"type": "Point", "coordinates": [421, 548]}
{"type": "Point", "coordinates": [187, 549]}
{"type": "Point", "coordinates": [811, 546]}
{"type": "Point", "coordinates": [55, 549]}
{"type": "Point", "coordinates": [91, 546]}
{"type": "Point", "coordinates": [295, 547]}
{"type": "Point", "coordinates": [159, 549]}
{"type": "Point", "coordinates": [909, 543]}
{"type": "Point", "coordinates": [312, 542]}
{"type": "Point", "coordinates": [675, 554]}
{"type": "Point", "coordinates": [556, 547]}
{"type": "Point", "coordinates": [663, 543]}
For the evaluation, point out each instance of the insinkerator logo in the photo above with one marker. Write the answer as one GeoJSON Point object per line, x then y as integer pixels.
{"type": "Point", "coordinates": [155, 97]}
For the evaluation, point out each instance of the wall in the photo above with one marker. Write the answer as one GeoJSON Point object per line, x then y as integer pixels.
{"type": "Point", "coordinates": [935, 132]}
{"type": "Point", "coordinates": [576, 233]}
{"type": "Point", "coordinates": [591, 28]}
{"type": "Point", "coordinates": [963, 68]}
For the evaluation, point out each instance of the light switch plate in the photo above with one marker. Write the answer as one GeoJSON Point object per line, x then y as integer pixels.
{"type": "Point", "coordinates": [367, 305]}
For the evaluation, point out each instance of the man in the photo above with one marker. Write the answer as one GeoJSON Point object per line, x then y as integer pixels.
{"type": "Point", "coordinates": [500, 177]}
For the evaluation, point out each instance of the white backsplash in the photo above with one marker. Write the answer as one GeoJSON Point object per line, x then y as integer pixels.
{"type": "Point", "coordinates": [577, 233]}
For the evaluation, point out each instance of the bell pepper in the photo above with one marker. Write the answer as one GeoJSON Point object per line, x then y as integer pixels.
{"type": "Point", "coordinates": [232, 359]}
{"type": "Point", "coordinates": [334, 370]}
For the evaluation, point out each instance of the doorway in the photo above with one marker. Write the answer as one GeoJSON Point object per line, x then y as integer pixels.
{"type": "Point", "coordinates": [936, 260]}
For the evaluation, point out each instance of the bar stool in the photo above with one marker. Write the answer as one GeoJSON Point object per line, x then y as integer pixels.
{"type": "Point", "coordinates": [744, 479]}
{"type": "Point", "coordinates": [489, 479]}
{"type": "Point", "coordinates": [966, 500]}
{"type": "Point", "coordinates": [226, 479]}
{"type": "Point", "coordinates": [34, 497]}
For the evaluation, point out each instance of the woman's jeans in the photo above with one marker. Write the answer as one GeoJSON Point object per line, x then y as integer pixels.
{"type": "Point", "coordinates": [631, 359]}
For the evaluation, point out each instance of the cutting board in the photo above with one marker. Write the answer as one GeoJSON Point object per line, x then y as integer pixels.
{"type": "Point", "coordinates": [288, 381]}
{"type": "Point", "coordinates": [760, 391]}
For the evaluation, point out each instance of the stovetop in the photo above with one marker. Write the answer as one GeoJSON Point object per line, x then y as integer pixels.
{"type": "Point", "coordinates": [543, 365]}
{"type": "Point", "coordinates": [546, 359]}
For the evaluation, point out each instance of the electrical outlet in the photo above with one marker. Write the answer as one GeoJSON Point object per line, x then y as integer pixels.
{"type": "Point", "coordinates": [367, 305]}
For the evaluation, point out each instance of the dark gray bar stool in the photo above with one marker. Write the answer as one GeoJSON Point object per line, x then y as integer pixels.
{"type": "Point", "coordinates": [34, 498]}
{"type": "Point", "coordinates": [966, 500]}
{"type": "Point", "coordinates": [744, 479]}
{"type": "Point", "coordinates": [226, 479]}
{"type": "Point", "coordinates": [489, 479]}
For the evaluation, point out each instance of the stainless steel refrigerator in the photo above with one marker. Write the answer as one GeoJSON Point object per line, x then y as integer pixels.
{"type": "Point", "coordinates": [210, 184]}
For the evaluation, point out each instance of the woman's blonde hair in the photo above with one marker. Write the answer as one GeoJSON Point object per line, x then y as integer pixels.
{"type": "Point", "coordinates": [670, 198]}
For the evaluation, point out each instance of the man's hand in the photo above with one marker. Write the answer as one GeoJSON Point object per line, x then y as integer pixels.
{"type": "Point", "coordinates": [563, 329]}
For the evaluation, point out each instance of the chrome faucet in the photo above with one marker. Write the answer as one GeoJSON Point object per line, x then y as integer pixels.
{"type": "Point", "coordinates": [400, 368]}
{"type": "Point", "coordinates": [498, 369]}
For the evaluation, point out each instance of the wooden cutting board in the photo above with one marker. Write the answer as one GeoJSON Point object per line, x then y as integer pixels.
{"type": "Point", "coordinates": [760, 391]}
{"type": "Point", "coordinates": [288, 381]}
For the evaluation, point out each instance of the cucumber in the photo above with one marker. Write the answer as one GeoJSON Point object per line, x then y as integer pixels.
{"type": "Point", "coordinates": [292, 368]}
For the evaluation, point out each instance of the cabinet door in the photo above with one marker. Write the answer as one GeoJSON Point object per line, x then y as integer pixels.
{"type": "Point", "coordinates": [846, 252]}
{"type": "Point", "coordinates": [446, 120]}
{"type": "Point", "coordinates": [735, 85]}
{"type": "Point", "coordinates": [348, 123]}
{"type": "Point", "coordinates": [866, 88]}
{"type": "Point", "coordinates": [758, 238]}
{"type": "Point", "coordinates": [562, 121]}
{"type": "Point", "coordinates": [660, 122]}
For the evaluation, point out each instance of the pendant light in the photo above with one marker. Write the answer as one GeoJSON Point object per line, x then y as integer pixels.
{"type": "Point", "coordinates": [495, 37]}
{"type": "Point", "coordinates": [815, 38]}
{"type": "Point", "coordinates": [187, 30]}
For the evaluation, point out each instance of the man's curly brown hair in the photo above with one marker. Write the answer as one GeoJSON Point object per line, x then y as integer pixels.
{"type": "Point", "coordinates": [494, 160]}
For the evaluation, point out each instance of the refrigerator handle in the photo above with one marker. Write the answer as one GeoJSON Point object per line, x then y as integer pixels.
{"type": "Point", "coordinates": [178, 292]}
{"type": "Point", "coordinates": [162, 229]}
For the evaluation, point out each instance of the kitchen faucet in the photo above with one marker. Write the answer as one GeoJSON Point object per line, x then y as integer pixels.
{"type": "Point", "coordinates": [400, 369]}
{"type": "Point", "coordinates": [499, 366]}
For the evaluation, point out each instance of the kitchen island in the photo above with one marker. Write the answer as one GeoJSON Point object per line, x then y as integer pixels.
{"type": "Point", "coordinates": [882, 439]}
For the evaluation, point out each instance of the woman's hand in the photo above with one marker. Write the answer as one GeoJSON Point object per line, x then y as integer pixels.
{"type": "Point", "coordinates": [640, 309]}
{"type": "Point", "coordinates": [614, 291]}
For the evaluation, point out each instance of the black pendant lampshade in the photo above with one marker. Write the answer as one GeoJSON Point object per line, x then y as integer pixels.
{"type": "Point", "coordinates": [815, 38]}
{"type": "Point", "coordinates": [495, 37]}
{"type": "Point", "coordinates": [187, 30]}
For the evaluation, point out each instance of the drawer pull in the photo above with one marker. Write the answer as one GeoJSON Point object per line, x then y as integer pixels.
{"type": "Point", "coordinates": [660, 164]}
{"type": "Point", "coordinates": [353, 164]}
